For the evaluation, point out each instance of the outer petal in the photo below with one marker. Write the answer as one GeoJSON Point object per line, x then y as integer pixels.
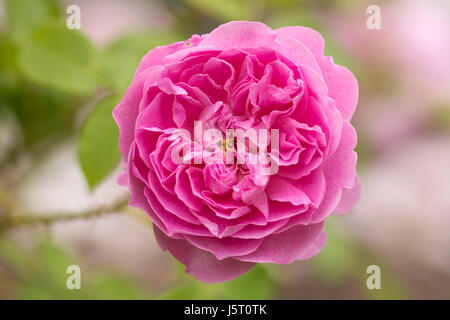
{"type": "Point", "coordinates": [317, 246]}
{"type": "Point", "coordinates": [349, 197]}
{"type": "Point", "coordinates": [298, 53]}
{"type": "Point", "coordinates": [280, 189]}
{"type": "Point", "coordinates": [202, 264]}
{"type": "Point", "coordinates": [286, 247]}
{"type": "Point", "coordinates": [138, 198]}
{"type": "Point", "coordinates": [307, 36]}
{"type": "Point", "coordinates": [240, 34]}
{"type": "Point", "coordinates": [156, 56]}
{"type": "Point", "coordinates": [126, 112]}
{"type": "Point", "coordinates": [340, 172]}
{"type": "Point", "coordinates": [342, 84]}
{"type": "Point", "coordinates": [225, 247]}
{"type": "Point", "coordinates": [342, 87]}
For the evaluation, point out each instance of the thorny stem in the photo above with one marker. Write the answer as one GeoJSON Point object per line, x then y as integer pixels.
{"type": "Point", "coordinates": [14, 221]}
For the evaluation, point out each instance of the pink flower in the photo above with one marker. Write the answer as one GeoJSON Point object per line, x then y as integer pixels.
{"type": "Point", "coordinates": [219, 218]}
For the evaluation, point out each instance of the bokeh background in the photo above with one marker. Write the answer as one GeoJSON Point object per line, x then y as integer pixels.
{"type": "Point", "coordinates": [59, 156]}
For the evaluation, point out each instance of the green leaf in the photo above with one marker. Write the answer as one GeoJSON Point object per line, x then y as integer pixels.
{"type": "Point", "coordinates": [440, 116]}
{"type": "Point", "coordinates": [54, 260]}
{"type": "Point", "coordinates": [224, 10]}
{"type": "Point", "coordinates": [391, 287]}
{"type": "Point", "coordinates": [8, 74]}
{"type": "Point", "coordinates": [59, 58]}
{"type": "Point", "coordinates": [43, 114]}
{"type": "Point", "coordinates": [339, 259]}
{"type": "Point", "coordinates": [115, 287]}
{"type": "Point", "coordinates": [186, 292]}
{"type": "Point", "coordinates": [121, 59]}
{"type": "Point", "coordinates": [25, 15]}
{"type": "Point", "coordinates": [11, 254]}
{"type": "Point", "coordinates": [41, 272]}
{"type": "Point", "coordinates": [293, 16]}
{"type": "Point", "coordinates": [98, 148]}
{"type": "Point", "coordinates": [254, 285]}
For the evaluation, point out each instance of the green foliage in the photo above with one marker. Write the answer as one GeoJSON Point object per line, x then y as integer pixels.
{"type": "Point", "coordinates": [98, 148]}
{"type": "Point", "coordinates": [40, 273]}
{"type": "Point", "coordinates": [42, 113]}
{"type": "Point", "coordinates": [223, 10]}
{"type": "Point", "coordinates": [339, 259]}
{"type": "Point", "coordinates": [391, 287]}
{"type": "Point", "coordinates": [254, 285]}
{"type": "Point", "coordinates": [121, 58]}
{"type": "Point", "coordinates": [59, 58]}
{"type": "Point", "coordinates": [289, 17]}
{"type": "Point", "coordinates": [342, 262]}
{"type": "Point", "coordinates": [112, 286]}
{"type": "Point", "coordinates": [440, 116]}
{"type": "Point", "coordinates": [24, 15]}
{"type": "Point", "coordinates": [184, 292]}
{"type": "Point", "coordinates": [30, 73]}
{"type": "Point", "coordinates": [8, 76]}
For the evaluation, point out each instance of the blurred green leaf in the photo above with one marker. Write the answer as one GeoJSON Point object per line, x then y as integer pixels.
{"type": "Point", "coordinates": [57, 57]}
{"type": "Point", "coordinates": [391, 287]}
{"type": "Point", "coordinates": [339, 257]}
{"type": "Point", "coordinates": [41, 273]}
{"type": "Point", "coordinates": [224, 10]}
{"type": "Point", "coordinates": [254, 285]}
{"type": "Point", "coordinates": [121, 59]}
{"type": "Point", "coordinates": [98, 149]}
{"type": "Point", "coordinates": [43, 114]}
{"type": "Point", "coordinates": [342, 262]}
{"type": "Point", "coordinates": [294, 17]}
{"type": "Point", "coordinates": [440, 116]}
{"type": "Point", "coordinates": [179, 269]}
{"type": "Point", "coordinates": [25, 15]}
{"type": "Point", "coordinates": [54, 259]}
{"type": "Point", "coordinates": [8, 74]}
{"type": "Point", "coordinates": [12, 254]}
{"type": "Point", "coordinates": [115, 287]}
{"type": "Point", "coordinates": [186, 292]}
{"type": "Point", "coordinates": [45, 276]}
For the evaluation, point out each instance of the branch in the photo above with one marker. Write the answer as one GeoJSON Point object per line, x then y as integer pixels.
{"type": "Point", "coordinates": [14, 221]}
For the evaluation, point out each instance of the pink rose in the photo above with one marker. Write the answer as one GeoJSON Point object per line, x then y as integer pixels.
{"type": "Point", "coordinates": [219, 218]}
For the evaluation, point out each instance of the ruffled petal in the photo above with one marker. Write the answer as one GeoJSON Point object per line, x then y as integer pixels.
{"type": "Point", "coordinates": [340, 172]}
{"type": "Point", "coordinates": [202, 264]}
{"type": "Point", "coordinates": [342, 84]}
{"type": "Point", "coordinates": [342, 87]}
{"type": "Point", "coordinates": [349, 197]}
{"type": "Point", "coordinates": [240, 34]}
{"type": "Point", "coordinates": [286, 247]}
{"type": "Point", "coordinates": [225, 247]}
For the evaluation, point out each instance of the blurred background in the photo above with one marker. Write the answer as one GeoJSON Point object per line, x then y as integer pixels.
{"type": "Point", "coordinates": [59, 155]}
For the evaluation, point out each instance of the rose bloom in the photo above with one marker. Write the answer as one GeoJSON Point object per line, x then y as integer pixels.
{"type": "Point", "coordinates": [217, 218]}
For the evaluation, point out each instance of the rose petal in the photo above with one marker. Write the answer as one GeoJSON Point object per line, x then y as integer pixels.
{"type": "Point", "coordinates": [202, 264]}
{"type": "Point", "coordinates": [286, 247]}
{"type": "Point", "coordinates": [225, 247]}
{"type": "Point", "coordinates": [349, 197]}
{"type": "Point", "coordinates": [340, 171]}
{"type": "Point", "coordinates": [317, 246]}
{"type": "Point", "coordinates": [342, 87]}
{"type": "Point", "coordinates": [280, 189]}
{"type": "Point", "coordinates": [240, 34]}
